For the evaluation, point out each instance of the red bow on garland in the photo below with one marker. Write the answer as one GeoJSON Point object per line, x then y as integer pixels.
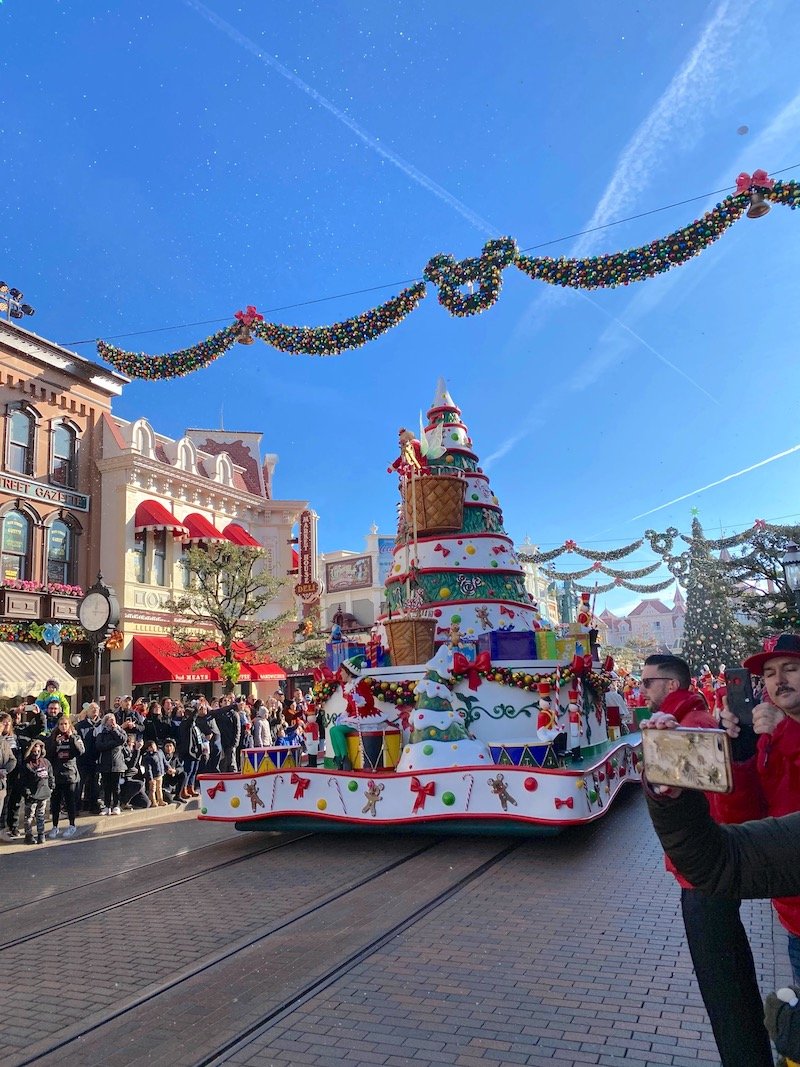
{"type": "Point", "coordinates": [746, 181]}
{"type": "Point", "coordinates": [581, 664]}
{"type": "Point", "coordinates": [759, 525]}
{"type": "Point", "coordinates": [214, 789]}
{"type": "Point", "coordinates": [247, 318]}
{"type": "Point", "coordinates": [423, 792]}
{"type": "Point", "coordinates": [472, 668]}
{"type": "Point", "coordinates": [568, 803]}
{"type": "Point", "coordinates": [301, 783]}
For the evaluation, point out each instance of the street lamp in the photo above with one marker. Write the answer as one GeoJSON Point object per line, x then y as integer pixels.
{"type": "Point", "coordinates": [791, 571]}
{"type": "Point", "coordinates": [11, 303]}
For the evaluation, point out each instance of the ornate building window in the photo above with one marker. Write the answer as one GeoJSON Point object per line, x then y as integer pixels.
{"type": "Point", "coordinates": [138, 557]}
{"type": "Point", "coordinates": [19, 448]}
{"type": "Point", "coordinates": [63, 468]}
{"type": "Point", "coordinates": [160, 556]}
{"type": "Point", "coordinates": [61, 553]}
{"type": "Point", "coordinates": [16, 546]}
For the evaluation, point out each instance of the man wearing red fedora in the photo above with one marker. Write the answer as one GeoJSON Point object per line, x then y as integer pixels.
{"type": "Point", "coordinates": [767, 758]}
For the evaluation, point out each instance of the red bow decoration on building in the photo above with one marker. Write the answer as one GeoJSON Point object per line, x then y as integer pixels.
{"type": "Point", "coordinates": [214, 789]}
{"type": "Point", "coordinates": [423, 792]}
{"type": "Point", "coordinates": [301, 783]}
{"type": "Point", "coordinates": [247, 318]}
{"type": "Point", "coordinates": [323, 674]}
{"type": "Point", "coordinates": [506, 611]}
{"type": "Point", "coordinates": [746, 181]}
{"type": "Point", "coordinates": [472, 668]}
{"type": "Point", "coordinates": [567, 803]}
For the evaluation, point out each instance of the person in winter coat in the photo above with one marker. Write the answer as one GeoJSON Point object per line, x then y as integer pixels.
{"type": "Point", "coordinates": [767, 759]}
{"type": "Point", "coordinates": [8, 758]}
{"type": "Point", "coordinates": [174, 774]}
{"type": "Point", "coordinates": [88, 792]}
{"type": "Point", "coordinates": [37, 785]}
{"type": "Point", "coordinates": [190, 747]}
{"type": "Point", "coordinates": [132, 789]}
{"type": "Point", "coordinates": [156, 728]}
{"type": "Point", "coordinates": [63, 748]}
{"type": "Point", "coordinates": [718, 944]}
{"type": "Point", "coordinates": [227, 720]}
{"type": "Point", "coordinates": [109, 740]}
{"type": "Point", "coordinates": [154, 770]}
{"type": "Point", "coordinates": [50, 693]}
{"type": "Point", "coordinates": [262, 735]}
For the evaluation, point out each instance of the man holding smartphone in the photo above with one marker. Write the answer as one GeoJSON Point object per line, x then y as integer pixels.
{"type": "Point", "coordinates": [768, 782]}
{"type": "Point", "coordinates": [718, 944]}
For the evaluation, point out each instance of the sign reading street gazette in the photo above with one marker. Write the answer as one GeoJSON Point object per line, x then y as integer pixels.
{"type": "Point", "coordinates": [50, 494]}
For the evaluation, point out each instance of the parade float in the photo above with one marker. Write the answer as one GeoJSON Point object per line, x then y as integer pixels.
{"type": "Point", "coordinates": [469, 712]}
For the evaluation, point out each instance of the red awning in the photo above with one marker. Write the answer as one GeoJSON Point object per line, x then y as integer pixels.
{"type": "Point", "coordinates": [200, 529]}
{"type": "Point", "coordinates": [259, 671]}
{"type": "Point", "coordinates": [239, 536]}
{"type": "Point", "coordinates": [150, 515]}
{"type": "Point", "coordinates": [159, 659]}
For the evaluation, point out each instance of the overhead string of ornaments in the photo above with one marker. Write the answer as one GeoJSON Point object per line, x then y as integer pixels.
{"type": "Point", "coordinates": [480, 276]}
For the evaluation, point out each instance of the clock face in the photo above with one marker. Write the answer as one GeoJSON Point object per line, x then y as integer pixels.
{"type": "Point", "coordinates": [94, 612]}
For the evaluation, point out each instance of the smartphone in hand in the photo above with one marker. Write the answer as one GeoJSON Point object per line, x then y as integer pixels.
{"type": "Point", "coordinates": [741, 700]}
{"type": "Point", "coordinates": [688, 759]}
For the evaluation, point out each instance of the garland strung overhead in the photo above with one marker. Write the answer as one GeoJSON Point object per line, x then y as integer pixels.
{"type": "Point", "coordinates": [598, 568]}
{"type": "Point", "coordinates": [655, 587]}
{"type": "Point", "coordinates": [482, 277]}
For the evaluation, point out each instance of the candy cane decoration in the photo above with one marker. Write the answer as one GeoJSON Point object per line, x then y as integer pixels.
{"type": "Point", "coordinates": [339, 791]}
{"type": "Point", "coordinates": [275, 780]}
{"type": "Point", "coordinates": [464, 777]}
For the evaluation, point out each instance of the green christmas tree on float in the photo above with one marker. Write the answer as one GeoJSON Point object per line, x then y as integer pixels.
{"type": "Point", "coordinates": [711, 635]}
{"type": "Point", "coordinates": [438, 736]}
{"type": "Point", "coordinates": [471, 577]}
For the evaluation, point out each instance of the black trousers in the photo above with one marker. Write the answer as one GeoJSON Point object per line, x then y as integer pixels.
{"type": "Point", "coordinates": [726, 976]}
{"type": "Point", "coordinates": [63, 791]}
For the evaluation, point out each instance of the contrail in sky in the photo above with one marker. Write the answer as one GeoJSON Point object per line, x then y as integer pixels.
{"type": "Point", "coordinates": [403, 165]}
{"type": "Point", "coordinates": [727, 478]}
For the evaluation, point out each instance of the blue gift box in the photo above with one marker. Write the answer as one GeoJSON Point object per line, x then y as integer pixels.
{"type": "Point", "coordinates": [508, 644]}
{"type": "Point", "coordinates": [337, 651]}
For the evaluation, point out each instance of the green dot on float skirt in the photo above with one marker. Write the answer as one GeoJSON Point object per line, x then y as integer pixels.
{"type": "Point", "coordinates": [428, 750]}
{"type": "Point", "coordinates": [448, 799]}
{"type": "Point", "coordinates": [352, 786]}
{"type": "Point", "coordinates": [204, 811]}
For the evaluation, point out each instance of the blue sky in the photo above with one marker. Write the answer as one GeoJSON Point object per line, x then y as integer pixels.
{"type": "Point", "coordinates": [167, 163]}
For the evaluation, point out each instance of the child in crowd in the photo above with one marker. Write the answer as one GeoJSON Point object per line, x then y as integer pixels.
{"type": "Point", "coordinates": [37, 782]}
{"type": "Point", "coordinates": [174, 776]}
{"type": "Point", "coordinates": [63, 747]}
{"type": "Point", "coordinates": [154, 770]}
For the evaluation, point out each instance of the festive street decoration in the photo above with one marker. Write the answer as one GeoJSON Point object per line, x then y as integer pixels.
{"type": "Point", "coordinates": [711, 634]}
{"type": "Point", "coordinates": [481, 275]}
{"type": "Point", "coordinates": [47, 633]}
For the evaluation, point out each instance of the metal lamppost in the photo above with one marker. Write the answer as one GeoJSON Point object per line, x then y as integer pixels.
{"type": "Point", "coordinates": [98, 613]}
{"type": "Point", "coordinates": [791, 571]}
{"type": "Point", "coordinates": [11, 303]}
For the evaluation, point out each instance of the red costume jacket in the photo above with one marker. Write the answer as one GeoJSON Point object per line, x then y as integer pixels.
{"type": "Point", "coordinates": [769, 784]}
{"type": "Point", "coordinates": [360, 701]}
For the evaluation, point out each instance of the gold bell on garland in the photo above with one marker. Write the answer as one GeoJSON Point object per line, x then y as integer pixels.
{"type": "Point", "coordinates": [758, 206]}
{"type": "Point", "coordinates": [246, 338]}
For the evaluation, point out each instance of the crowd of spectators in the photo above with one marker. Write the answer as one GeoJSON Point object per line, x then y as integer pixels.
{"type": "Point", "coordinates": [138, 755]}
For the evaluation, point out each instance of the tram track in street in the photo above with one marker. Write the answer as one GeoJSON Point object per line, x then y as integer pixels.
{"type": "Point", "coordinates": [65, 1041]}
{"type": "Point", "coordinates": [307, 950]}
{"type": "Point", "coordinates": [173, 883]}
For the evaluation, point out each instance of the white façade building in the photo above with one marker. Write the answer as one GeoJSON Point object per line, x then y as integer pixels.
{"type": "Point", "coordinates": [159, 496]}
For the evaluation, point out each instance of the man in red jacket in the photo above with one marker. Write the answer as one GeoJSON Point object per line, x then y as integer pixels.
{"type": "Point", "coordinates": [720, 951]}
{"type": "Point", "coordinates": [768, 782]}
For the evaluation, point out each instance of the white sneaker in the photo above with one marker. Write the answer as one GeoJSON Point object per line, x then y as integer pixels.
{"type": "Point", "coordinates": [105, 811]}
{"type": "Point", "coordinates": [115, 811]}
{"type": "Point", "coordinates": [53, 833]}
{"type": "Point", "coordinates": [70, 831]}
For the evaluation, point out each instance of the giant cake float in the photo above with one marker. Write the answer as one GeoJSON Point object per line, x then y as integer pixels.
{"type": "Point", "coordinates": [486, 715]}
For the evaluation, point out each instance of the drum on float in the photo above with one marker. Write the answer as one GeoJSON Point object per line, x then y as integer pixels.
{"type": "Point", "coordinates": [381, 749]}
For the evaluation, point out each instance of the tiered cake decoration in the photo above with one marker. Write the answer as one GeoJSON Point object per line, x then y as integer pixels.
{"type": "Point", "coordinates": [465, 574]}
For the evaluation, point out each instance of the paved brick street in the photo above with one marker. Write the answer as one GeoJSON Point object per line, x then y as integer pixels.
{"type": "Point", "coordinates": [280, 948]}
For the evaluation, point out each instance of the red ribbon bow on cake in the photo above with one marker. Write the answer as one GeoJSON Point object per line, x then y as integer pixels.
{"type": "Point", "coordinates": [214, 789]}
{"type": "Point", "coordinates": [472, 668]}
{"type": "Point", "coordinates": [567, 803]}
{"type": "Point", "coordinates": [301, 783]}
{"type": "Point", "coordinates": [423, 792]}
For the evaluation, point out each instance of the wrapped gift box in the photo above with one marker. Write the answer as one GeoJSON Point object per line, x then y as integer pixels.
{"type": "Point", "coordinates": [546, 645]}
{"type": "Point", "coordinates": [508, 644]}
{"type": "Point", "coordinates": [566, 646]}
{"type": "Point", "coordinates": [337, 651]}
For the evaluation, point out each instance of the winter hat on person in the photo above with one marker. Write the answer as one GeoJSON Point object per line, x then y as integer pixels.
{"type": "Point", "coordinates": [774, 647]}
{"type": "Point", "coordinates": [353, 665]}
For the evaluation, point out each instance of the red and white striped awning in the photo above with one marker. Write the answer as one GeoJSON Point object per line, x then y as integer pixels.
{"type": "Point", "coordinates": [150, 515]}
{"type": "Point", "coordinates": [199, 528]}
{"type": "Point", "coordinates": [239, 536]}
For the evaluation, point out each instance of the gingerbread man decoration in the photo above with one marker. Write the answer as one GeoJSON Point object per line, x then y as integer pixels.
{"type": "Point", "coordinates": [251, 789]}
{"type": "Point", "coordinates": [372, 794]}
{"type": "Point", "coordinates": [500, 789]}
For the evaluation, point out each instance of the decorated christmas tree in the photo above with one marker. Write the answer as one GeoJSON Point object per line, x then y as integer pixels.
{"type": "Point", "coordinates": [712, 636]}
{"type": "Point", "coordinates": [438, 736]}
{"type": "Point", "coordinates": [468, 576]}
